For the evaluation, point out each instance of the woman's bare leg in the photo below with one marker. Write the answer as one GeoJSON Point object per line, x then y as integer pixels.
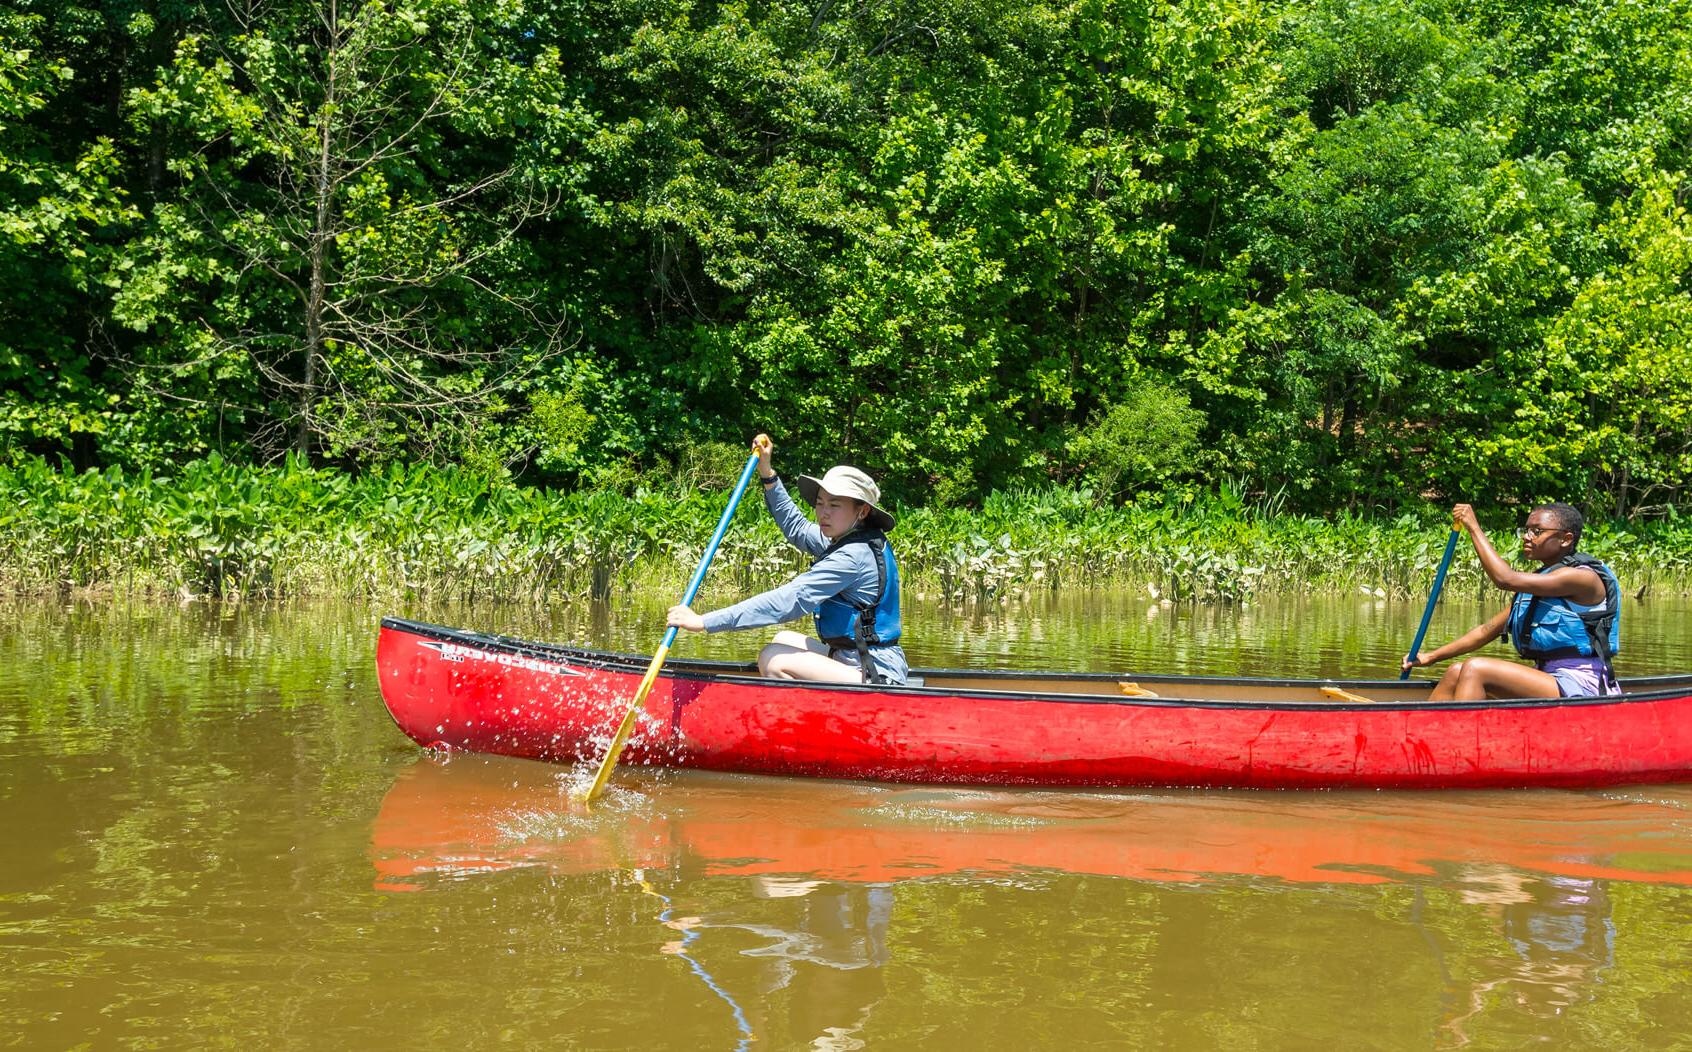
{"type": "Point", "coordinates": [1479, 678]}
{"type": "Point", "coordinates": [1446, 688]}
{"type": "Point", "coordinates": [794, 655]}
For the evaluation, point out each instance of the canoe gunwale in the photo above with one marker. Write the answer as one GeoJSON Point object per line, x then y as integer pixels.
{"type": "Point", "coordinates": [703, 670]}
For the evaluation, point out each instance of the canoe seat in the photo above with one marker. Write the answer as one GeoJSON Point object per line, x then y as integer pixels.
{"type": "Point", "coordinates": [1341, 694]}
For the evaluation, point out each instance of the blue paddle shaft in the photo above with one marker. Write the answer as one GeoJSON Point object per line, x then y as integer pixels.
{"type": "Point", "coordinates": [1433, 597]}
{"type": "Point", "coordinates": [716, 539]}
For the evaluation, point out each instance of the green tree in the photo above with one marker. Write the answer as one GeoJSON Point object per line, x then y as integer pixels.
{"type": "Point", "coordinates": [1404, 252]}
{"type": "Point", "coordinates": [1612, 412]}
{"type": "Point", "coordinates": [352, 186]}
{"type": "Point", "coordinates": [59, 202]}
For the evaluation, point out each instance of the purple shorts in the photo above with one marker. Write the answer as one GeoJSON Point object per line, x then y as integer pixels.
{"type": "Point", "coordinates": [1581, 677]}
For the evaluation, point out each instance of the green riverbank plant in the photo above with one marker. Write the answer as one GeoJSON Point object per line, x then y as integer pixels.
{"type": "Point", "coordinates": [221, 529]}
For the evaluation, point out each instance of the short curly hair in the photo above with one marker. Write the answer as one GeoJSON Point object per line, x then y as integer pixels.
{"type": "Point", "coordinates": [1566, 516]}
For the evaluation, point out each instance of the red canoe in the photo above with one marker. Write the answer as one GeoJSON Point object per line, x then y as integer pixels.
{"type": "Point", "coordinates": [466, 690]}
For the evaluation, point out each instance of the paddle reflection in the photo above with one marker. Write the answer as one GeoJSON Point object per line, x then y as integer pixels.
{"type": "Point", "coordinates": [825, 956]}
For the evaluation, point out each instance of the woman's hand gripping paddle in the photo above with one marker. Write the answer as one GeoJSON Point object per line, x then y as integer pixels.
{"type": "Point", "coordinates": [621, 738]}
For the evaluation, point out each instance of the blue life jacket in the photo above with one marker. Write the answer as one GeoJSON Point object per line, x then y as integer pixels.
{"type": "Point", "coordinates": [1545, 628]}
{"type": "Point", "coordinates": [846, 625]}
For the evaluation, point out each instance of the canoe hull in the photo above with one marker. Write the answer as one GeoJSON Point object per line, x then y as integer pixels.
{"type": "Point", "coordinates": [486, 694]}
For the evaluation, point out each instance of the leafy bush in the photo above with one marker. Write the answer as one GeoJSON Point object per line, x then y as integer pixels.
{"type": "Point", "coordinates": [1142, 442]}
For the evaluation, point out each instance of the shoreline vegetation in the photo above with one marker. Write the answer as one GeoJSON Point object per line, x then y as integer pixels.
{"type": "Point", "coordinates": [220, 529]}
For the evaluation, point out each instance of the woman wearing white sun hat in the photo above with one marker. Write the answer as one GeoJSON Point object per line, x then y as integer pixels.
{"type": "Point", "coordinates": [852, 588]}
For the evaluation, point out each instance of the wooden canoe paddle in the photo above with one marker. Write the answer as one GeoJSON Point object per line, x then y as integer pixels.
{"type": "Point", "coordinates": [621, 738]}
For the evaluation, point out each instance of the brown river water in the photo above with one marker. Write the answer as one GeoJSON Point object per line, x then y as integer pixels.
{"type": "Point", "coordinates": [214, 837]}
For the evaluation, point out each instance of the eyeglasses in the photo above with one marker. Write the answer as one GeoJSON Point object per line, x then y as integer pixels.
{"type": "Point", "coordinates": [1533, 533]}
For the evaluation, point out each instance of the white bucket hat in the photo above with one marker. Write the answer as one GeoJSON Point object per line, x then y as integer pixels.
{"type": "Point", "coordinates": [843, 481]}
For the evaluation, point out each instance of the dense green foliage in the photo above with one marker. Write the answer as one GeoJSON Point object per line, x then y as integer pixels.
{"type": "Point", "coordinates": [407, 531]}
{"type": "Point", "coordinates": [1362, 252]}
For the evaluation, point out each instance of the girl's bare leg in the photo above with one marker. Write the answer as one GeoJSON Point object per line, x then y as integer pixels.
{"type": "Point", "coordinates": [794, 655]}
{"type": "Point", "coordinates": [1479, 678]}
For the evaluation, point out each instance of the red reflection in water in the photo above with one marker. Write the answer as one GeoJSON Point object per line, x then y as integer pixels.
{"type": "Point", "coordinates": [480, 813]}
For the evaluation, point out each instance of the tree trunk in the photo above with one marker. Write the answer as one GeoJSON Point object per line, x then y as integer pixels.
{"type": "Point", "coordinates": [319, 242]}
{"type": "Point", "coordinates": [1348, 423]}
{"type": "Point", "coordinates": [1625, 482]}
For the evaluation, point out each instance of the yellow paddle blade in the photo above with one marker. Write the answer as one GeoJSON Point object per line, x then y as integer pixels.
{"type": "Point", "coordinates": [621, 738]}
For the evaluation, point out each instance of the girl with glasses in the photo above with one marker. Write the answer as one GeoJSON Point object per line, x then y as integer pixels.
{"type": "Point", "coordinates": [1564, 617]}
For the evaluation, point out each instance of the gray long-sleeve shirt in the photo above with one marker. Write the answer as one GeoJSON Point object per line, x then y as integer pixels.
{"type": "Point", "coordinates": [848, 572]}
